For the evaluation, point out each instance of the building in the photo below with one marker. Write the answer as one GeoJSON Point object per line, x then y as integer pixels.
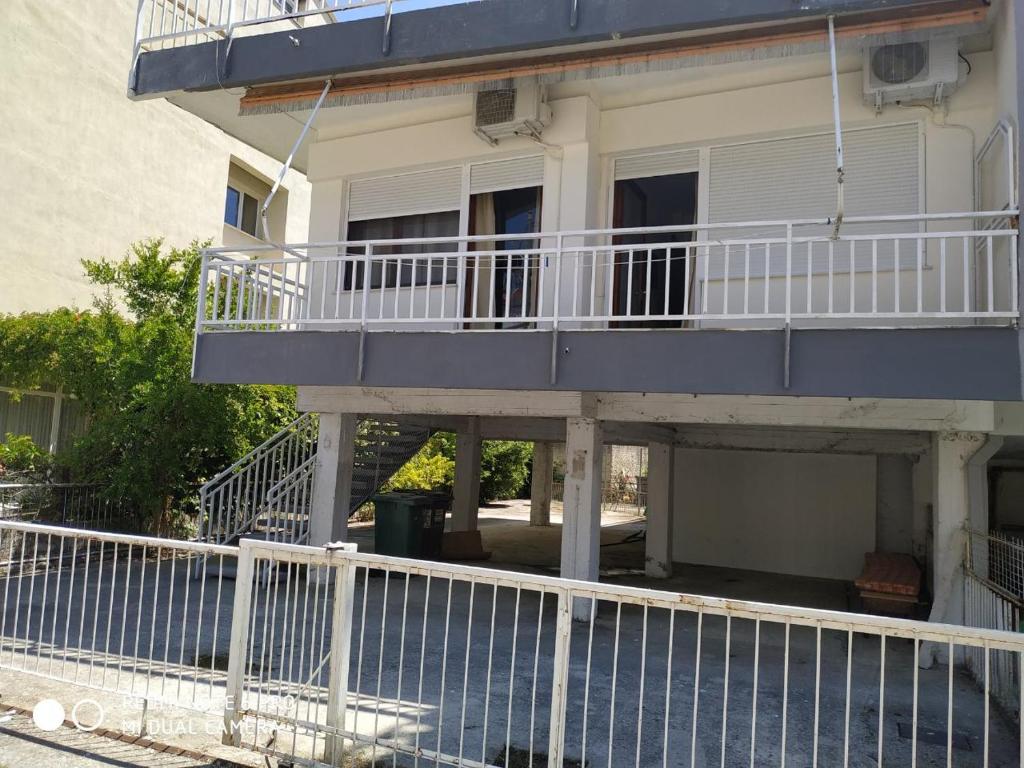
{"type": "Point", "coordinates": [96, 173]}
{"type": "Point", "coordinates": [776, 243]}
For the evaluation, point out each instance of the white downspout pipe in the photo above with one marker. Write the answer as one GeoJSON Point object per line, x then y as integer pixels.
{"type": "Point", "coordinates": [291, 158]}
{"type": "Point", "coordinates": [838, 220]}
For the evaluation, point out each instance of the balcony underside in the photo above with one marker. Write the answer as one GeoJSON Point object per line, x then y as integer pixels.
{"type": "Point", "coordinates": [977, 363]}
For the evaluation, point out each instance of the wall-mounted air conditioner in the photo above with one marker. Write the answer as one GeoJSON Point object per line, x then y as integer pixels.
{"type": "Point", "coordinates": [518, 111]}
{"type": "Point", "coordinates": [915, 71]}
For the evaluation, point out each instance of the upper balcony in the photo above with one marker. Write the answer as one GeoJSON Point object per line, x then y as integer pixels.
{"type": "Point", "coordinates": [919, 306]}
{"type": "Point", "coordinates": [669, 227]}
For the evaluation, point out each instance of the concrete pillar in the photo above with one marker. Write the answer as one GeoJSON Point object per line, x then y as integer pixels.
{"type": "Point", "coordinates": [332, 489]}
{"type": "Point", "coordinates": [951, 452]}
{"type": "Point", "coordinates": [466, 494]}
{"type": "Point", "coordinates": [581, 516]}
{"type": "Point", "coordinates": [658, 547]}
{"type": "Point", "coordinates": [894, 504]}
{"type": "Point", "coordinates": [540, 484]}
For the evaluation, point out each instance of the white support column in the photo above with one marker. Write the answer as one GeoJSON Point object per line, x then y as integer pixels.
{"type": "Point", "coordinates": [581, 516]}
{"type": "Point", "coordinates": [540, 484]}
{"type": "Point", "coordinates": [332, 490]}
{"type": "Point", "coordinates": [658, 542]}
{"type": "Point", "coordinates": [466, 494]}
{"type": "Point", "coordinates": [951, 452]}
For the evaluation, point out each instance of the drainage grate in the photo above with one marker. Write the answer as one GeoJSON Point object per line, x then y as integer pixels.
{"type": "Point", "coordinates": [935, 736]}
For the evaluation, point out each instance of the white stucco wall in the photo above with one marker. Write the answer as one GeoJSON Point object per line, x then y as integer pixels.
{"type": "Point", "coordinates": [802, 514]}
{"type": "Point", "coordinates": [86, 171]}
{"type": "Point", "coordinates": [589, 131]}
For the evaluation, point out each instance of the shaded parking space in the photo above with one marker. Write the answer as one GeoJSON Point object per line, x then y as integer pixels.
{"type": "Point", "coordinates": [515, 545]}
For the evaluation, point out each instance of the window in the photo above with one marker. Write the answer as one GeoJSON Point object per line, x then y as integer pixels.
{"type": "Point", "coordinates": [241, 210]}
{"type": "Point", "coordinates": [389, 273]}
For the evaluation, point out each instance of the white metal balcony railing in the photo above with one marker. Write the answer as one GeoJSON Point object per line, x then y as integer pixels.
{"type": "Point", "coordinates": [174, 23]}
{"type": "Point", "coordinates": [883, 271]}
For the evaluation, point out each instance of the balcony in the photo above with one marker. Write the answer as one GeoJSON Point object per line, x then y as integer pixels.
{"type": "Point", "coordinates": [897, 306]}
{"type": "Point", "coordinates": [929, 270]}
{"type": "Point", "coordinates": [162, 24]}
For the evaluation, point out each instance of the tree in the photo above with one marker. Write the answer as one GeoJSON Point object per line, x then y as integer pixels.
{"type": "Point", "coordinates": [154, 436]}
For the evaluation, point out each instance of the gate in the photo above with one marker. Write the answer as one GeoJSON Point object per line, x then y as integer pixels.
{"type": "Point", "coordinates": [335, 657]}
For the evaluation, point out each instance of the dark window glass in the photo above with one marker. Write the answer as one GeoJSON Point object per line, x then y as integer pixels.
{"type": "Point", "coordinates": [250, 213]}
{"type": "Point", "coordinates": [231, 207]}
{"type": "Point", "coordinates": [389, 273]}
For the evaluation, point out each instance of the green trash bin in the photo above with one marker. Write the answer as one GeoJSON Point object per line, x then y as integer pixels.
{"type": "Point", "coordinates": [408, 524]}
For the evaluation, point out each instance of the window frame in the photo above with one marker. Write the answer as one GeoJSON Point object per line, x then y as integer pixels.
{"type": "Point", "coordinates": [466, 192]}
{"type": "Point", "coordinates": [705, 148]}
{"type": "Point", "coordinates": [243, 193]}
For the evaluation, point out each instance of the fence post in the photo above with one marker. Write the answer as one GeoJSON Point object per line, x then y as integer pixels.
{"type": "Point", "coordinates": [559, 245]}
{"type": "Point", "coordinates": [341, 640]}
{"type": "Point", "coordinates": [235, 684]}
{"type": "Point", "coordinates": [367, 273]}
{"type": "Point", "coordinates": [560, 678]}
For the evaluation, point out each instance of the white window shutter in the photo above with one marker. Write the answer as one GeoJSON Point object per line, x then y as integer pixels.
{"type": "Point", "coordinates": [795, 178]}
{"type": "Point", "coordinates": [658, 164]}
{"type": "Point", "coordinates": [518, 173]}
{"type": "Point", "coordinates": [405, 194]}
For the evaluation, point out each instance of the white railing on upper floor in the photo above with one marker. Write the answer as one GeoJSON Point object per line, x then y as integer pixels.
{"type": "Point", "coordinates": [934, 269]}
{"type": "Point", "coordinates": [174, 23]}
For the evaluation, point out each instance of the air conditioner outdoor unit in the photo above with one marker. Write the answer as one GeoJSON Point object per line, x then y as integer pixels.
{"type": "Point", "coordinates": [913, 71]}
{"type": "Point", "coordinates": [519, 111]}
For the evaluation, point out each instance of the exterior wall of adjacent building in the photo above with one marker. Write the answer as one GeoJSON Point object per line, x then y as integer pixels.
{"type": "Point", "coordinates": [95, 171]}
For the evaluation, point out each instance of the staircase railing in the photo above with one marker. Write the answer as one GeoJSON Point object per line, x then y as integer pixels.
{"type": "Point", "coordinates": [233, 500]}
{"type": "Point", "coordinates": [288, 505]}
{"type": "Point", "coordinates": [269, 492]}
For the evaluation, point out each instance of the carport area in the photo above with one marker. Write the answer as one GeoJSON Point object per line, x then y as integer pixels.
{"type": "Point", "coordinates": [515, 545]}
{"type": "Point", "coordinates": [773, 499]}
{"type": "Point", "coordinates": [765, 513]}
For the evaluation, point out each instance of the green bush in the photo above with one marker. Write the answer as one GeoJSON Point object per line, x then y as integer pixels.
{"type": "Point", "coordinates": [154, 436]}
{"type": "Point", "coordinates": [504, 468]}
{"type": "Point", "coordinates": [429, 469]}
{"type": "Point", "coordinates": [18, 454]}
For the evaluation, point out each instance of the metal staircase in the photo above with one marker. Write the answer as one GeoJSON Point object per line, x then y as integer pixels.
{"type": "Point", "coordinates": [268, 493]}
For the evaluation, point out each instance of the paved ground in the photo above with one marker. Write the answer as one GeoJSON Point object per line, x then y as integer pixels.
{"type": "Point", "coordinates": [22, 744]}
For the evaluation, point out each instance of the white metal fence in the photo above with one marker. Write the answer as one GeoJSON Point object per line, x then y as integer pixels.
{"type": "Point", "coordinates": [340, 656]}
{"type": "Point", "coordinates": [929, 269]}
{"type": "Point", "coordinates": [116, 613]}
{"type": "Point", "coordinates": [999, 558]}
{"type": "Point", "coordinates": [71, 504]}
{"type": "Point", "coordinates": [994, 599]}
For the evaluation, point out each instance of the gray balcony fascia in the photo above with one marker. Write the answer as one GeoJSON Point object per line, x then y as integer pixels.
{"type": "Point", "coordinates": [967, 363]}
